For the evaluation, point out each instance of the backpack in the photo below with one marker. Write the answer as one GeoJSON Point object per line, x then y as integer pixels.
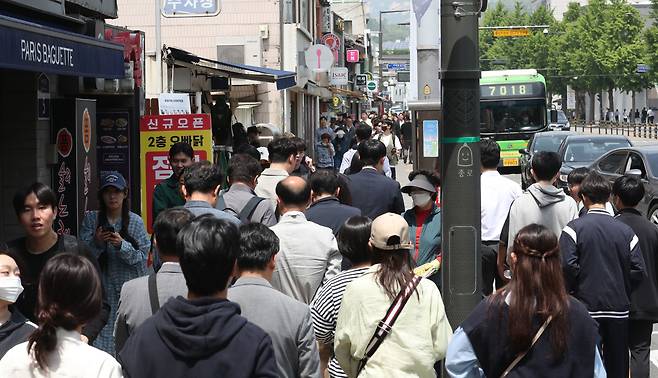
{"type": "Point", "coordinates": [246, 213]}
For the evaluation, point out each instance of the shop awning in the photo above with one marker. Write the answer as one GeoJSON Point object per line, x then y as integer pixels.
{"type": "Point", "coordinates": [28, 46]}
{"type": "Point", "coordinates": [182, 58]}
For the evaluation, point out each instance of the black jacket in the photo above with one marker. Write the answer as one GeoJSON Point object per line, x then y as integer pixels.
{"type": "Point", "coordinates": [487, 330]}
{"type": "Point", "coordinates": [329, 212]}
{"type": "Point", "coordinates": [27, 302]}
{"type": "Point", "coordinates": [644, 297]}
{"type": "Point", "coordinates": [198, 338]}
{"type": "Point", "coordinates": [375, 194]}
{"type": "Point", "coordinates": [15, 331]}
{"type": "Point", "coordinates": [602, 262]}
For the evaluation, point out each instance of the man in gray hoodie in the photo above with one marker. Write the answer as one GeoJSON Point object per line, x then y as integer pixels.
{"type": "Point", "coordinates": [542, 203]}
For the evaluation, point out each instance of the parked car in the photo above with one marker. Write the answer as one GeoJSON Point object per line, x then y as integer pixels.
{"type": "Point", "coordinates": [562, 122]}
{"type": "Point", "coordinates": [640, 161]}
{"type": "Point", "coordinates": [546, 141]}
{"type": "Point", "coordinates": [582, 150]}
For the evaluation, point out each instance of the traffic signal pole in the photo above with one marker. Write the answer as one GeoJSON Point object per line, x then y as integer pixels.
{"type": "Point", "coordinates": [460, 158]}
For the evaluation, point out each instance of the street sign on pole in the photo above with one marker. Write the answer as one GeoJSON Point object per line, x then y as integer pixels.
{"type": "Point", "coordinates": [507, 33]}
{"type": "Point", "coordinates": [319, 58]}
{"type": "Point", "coordinates": [642, 68]}
{"type": "Point", "coordinates": [361, 80]}
{"type": "Point", "coordinates": [372, 86]}
{"type": "Point", "coordinates": [198, 8]}
{"type": "Point", "coordinates": [397, 66]}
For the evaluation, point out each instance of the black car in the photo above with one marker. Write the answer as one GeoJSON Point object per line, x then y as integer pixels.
{"type": "Point", "coordinates": [640, 161]}
{"type": "Point", "coordinates": [546, 141]}
{"type": "Point", "coordinates": [581, 150]}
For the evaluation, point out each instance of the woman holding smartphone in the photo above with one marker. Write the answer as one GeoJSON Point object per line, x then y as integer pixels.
{"type": "Point", "coordinates": [118, 239]}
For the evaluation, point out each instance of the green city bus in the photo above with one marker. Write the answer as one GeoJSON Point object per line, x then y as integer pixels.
{"type": "Point", "coordinates": [512, 109]}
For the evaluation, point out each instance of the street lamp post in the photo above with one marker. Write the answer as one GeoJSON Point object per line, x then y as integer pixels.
{"type": "Point", "coordinates": [381, 40]}
{"type": "Point", "coordinates": [460, 158]}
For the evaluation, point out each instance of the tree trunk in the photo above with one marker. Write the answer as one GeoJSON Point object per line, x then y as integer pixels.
{"type": "Point", "coordinates": [632, 111]}
{"type": "Point", "coordinates": [611, 99]}
{"type": "Point", "coordinates": [592, 101]}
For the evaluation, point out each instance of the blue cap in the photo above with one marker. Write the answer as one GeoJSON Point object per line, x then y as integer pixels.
{"type": "Point", "coordinates": [115, 179]}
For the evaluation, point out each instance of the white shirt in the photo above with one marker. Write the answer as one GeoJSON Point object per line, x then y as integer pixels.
{"type": "Point", "coordinates": [267, 182]}
{"type": "Point", "coordinates": [347, 162]}
{"type": "Point", "coordinates": [386, 139]}
{"type": "Point", "coordinates": [497, 195]}
{"type": "Point", "coordinates": [71, 359]}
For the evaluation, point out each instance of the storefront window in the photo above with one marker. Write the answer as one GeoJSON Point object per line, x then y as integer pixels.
{"type": "Point", "coordinates": [304, 15]}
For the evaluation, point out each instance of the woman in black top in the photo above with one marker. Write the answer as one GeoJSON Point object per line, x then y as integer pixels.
{"type": "Point", "coordinates": [502, 327]}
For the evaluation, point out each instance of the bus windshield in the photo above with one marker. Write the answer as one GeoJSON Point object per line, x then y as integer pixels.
{"type": "Point", "coordinates": [502, 116]}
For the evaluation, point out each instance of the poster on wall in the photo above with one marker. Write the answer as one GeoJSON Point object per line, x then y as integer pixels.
{"type": "Point", "coordinates": [157, 134]}
{"type": "Point", "coordinates": [75, 176]}
{"type": "Point", "coordinates": [431, 138]}
{"type": "Point", "coordinates": [113, 142]}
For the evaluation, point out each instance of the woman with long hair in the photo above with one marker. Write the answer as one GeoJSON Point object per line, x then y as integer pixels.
{"type": "Point", "coordinates": [118, 239]}
{"type": "Point", "coordinates": [418, 338]}
{"type": "Point", "coordinates": [531, 327]}
{"type": "Point", "coordinates": [69, 296]}
{"type": "Point", "coordinates": [14, 327]}
{"type": "Point", "coordinates": [352, 240]}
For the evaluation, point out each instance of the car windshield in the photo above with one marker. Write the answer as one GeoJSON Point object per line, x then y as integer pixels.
{"type": "Point", "coordinates": [547, 143]}
{"type": "Point", "coordinates": [590, 150]}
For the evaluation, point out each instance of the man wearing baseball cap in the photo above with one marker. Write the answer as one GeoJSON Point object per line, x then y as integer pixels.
{"type": "Point", "coordinates": [420, 335]}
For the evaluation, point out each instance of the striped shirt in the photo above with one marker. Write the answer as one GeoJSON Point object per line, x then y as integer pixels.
{"type": "Point", "coordinates": [324, 311]}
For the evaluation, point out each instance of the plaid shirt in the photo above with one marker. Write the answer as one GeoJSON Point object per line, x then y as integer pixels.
{"type": "Point", "coordinates": [123, 264]}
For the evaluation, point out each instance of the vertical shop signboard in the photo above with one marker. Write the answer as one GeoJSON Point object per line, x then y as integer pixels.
{"type": "Point", "coordinates": [113, 142]}
{"type": "Point", "coordinates": [76, 179]}
{"type": "Point", "coordinates": [157, 135]}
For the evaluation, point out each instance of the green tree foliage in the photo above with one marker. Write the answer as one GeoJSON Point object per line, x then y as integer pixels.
{"type": "Point", "coordinates": [594, 48]}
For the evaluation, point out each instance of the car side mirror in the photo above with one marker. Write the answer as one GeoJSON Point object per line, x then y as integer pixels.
{"type": "Point", "coordinates": [524, 151]}
{"type": "Point", "coordinates": [634, 172]}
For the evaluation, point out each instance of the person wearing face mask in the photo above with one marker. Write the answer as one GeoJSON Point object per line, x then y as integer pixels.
{"type": "Point", "coordinates": [424, 219]}
{"type": "Point", "coordinates": [14, 327]}
{"type": "Point", "coordinates": [392, 143]}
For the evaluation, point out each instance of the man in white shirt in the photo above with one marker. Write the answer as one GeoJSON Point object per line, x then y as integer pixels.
{"type": "Point", "coordinates": [363, 132]}
{"type": "Point", "coordinates": [308, 254]}
{"type": "Point", "coordinates": [283, 159]}
{"type": "Point", "coordinates": [497, 195]}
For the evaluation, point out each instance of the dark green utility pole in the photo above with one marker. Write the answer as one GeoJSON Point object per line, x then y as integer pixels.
{"type": "Point", "coordinates": [460, 158]}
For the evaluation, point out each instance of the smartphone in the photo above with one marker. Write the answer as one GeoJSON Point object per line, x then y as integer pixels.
{"type": "Point", "coordinates": [107, 228]}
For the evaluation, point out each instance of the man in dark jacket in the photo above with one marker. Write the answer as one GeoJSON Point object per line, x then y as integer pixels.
{"type": "Point", "coordinates": [167, 194]}
{"type": "Point", "coordinates": [372, 192]}
{"type": "Point", "coordinates": [202, 335]}
{"type": "Point", "coordinates": [325, 209]}
{"type": "Point", "coordinates": [602, 262]}
{"type": "Point", "coordinates": [36, 210]}
{"type": "Point", "coordinates": [627, 192]}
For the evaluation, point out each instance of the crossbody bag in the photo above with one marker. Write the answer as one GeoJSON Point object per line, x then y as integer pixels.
{"type": "Point", "coordinates": [386, 324]}
{"type": "Point", "coordinates": [520, 356]}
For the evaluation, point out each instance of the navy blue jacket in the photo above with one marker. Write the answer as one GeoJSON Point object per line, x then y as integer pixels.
{"type": "Point", "coordinates": [644, 298]}
{"type": "Point", "coordinates": [602, 261]}
{"type": "Point", "coordinates": [329, 212]}
{"type": "Point", "coordinates": [198, 338]}
{"type": "Point", "coordinates": [375, 194]}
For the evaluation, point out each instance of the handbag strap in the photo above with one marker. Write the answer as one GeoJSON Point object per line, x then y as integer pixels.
{"type": "Point", "coordinates": [153, 293]}
{"type": "Point", "coordinates": [523, 354]}
{"type": "Point", "coordinates": [386, 324]}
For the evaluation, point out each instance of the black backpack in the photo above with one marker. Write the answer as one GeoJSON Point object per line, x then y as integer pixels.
{"type": "Point", "coordinates": [246, 213]}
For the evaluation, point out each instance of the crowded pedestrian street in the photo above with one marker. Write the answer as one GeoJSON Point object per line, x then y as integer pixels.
{"type": "Point", "coordinates": [328, 188]}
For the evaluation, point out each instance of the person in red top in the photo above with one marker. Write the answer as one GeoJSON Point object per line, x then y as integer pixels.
{"type": "Point", "coordinates": [424, 218]}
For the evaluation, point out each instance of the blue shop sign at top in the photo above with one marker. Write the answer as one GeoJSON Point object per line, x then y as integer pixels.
{"type": "Point", "coordinates": [397, 66]}
{"type": "Point", "coordinates": [191, 8]}
{"type": "Point", "coordinates": [28, 46]}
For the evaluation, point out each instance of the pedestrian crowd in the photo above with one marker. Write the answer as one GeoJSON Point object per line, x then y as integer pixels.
{"type": "Point", "coordinates": [313, 268]}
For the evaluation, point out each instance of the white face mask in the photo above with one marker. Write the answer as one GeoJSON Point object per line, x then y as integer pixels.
{"type": "Point", "coordinates": [421, 199]}
{"type": "Point", "coordinates": [10, 288]}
